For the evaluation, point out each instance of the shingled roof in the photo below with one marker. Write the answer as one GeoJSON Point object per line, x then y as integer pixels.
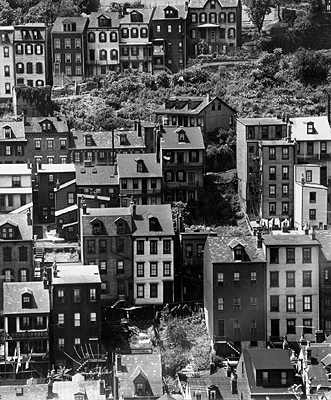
{"type": "Point", "coordinates": [222, 3]}
{"type": "Point", "coordinates": [193, 138]}
{"type": "Point", "coordinates": [103, 175]}
{"type": "Point", "coordinates": [21, 222]}
{"type": "Point", "coordinates": [34, 124]}
{"type": "Point", "coordinates": [159, 12]}
{"type": "Point", "coordinates": [321, 128]}
{"type": "Point", "coordinates": [94, 20]}
{"type": "Point", "coordinates": [162, 212]}
{"type": "Point", "coordinates": [127, 166]}
{"type": "Point", "coordinates": [75, 273]}
{"type": "Point", "coordinates": [17, 130]}
{"type": "Point", "coordinates": [80, 22]}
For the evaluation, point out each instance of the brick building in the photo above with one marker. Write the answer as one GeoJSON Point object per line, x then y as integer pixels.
{"type": "Point", "coordinates": [12, 142]}
{"type": "Point", "coordinates": [47, 140]}
{"type": "Point", "coordinates": [208, 113]}
{"type": "Point", "coordinates": [235, 293]}
{"type": "Point", "coordinates": [69, 49]}
{"type": "Point", "coordinates": [106, 241]}
{"type": "Point", "coordinates": [7, 71]}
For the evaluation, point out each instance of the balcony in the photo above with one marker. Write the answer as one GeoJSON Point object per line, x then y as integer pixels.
{"type": "Point", "coordinates": [304, 158]}
{"type": "Point", "coordinates": [103, 62]}
{"type": "Point", "coordinates": [182, 184]}
{"type": "Point", "coordinates": [128, 192]}
{"type": "Point", "coordinates": [186, 164]}
{"type": "Point", "coordinates": [29, 335]}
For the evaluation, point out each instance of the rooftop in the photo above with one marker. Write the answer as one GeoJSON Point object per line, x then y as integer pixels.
{"type": "Point", "coordinates": [14, 169]}
{"type": "Point", "coordinates": [12, 294]}
{"type": "Point", "coordinates": [146, 13]}
{"type": "Point", "coordinates": [80, 22]}
{"type": "Point", "coordinates": [94, 20]}
{"type": "Point", "coordinates": [193, 138]}
{"type": "Point", "coordinates": [261, 121]}
{"type": "Point", "coordinates": [321, 130]}
{"type": "Point", "coordinates": [324, 237]}
{"type": "Point", "coordinates": [222, 3]}
{"type": "Point", "coordinates": [76, 273]}
{"type": "Point", "coordinates": [162, 212]}
{"type": "Point", "coordinates": [159, 12]}
{"type": "Point", "coordinates": [220, 249]}
{"type": "Point", "coordinates": [19, 220]}
{"type": "Point", "coordinates": [56, 168]}
{"type": "Point", "coordinates": [17, 130]}
{"type": "Point", "coordinates": [34, 124]}
{"type": "Point", "coordinates": [289, 239]}
{"type": "Point", "coordinates": [96, 175]}
{"type": "Point", "coordinates": [127, 166]}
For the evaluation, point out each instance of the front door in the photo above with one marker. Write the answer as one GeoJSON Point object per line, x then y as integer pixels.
{"type": "Point", "coordinates": [275, 327]}
{"type": "Point", "coordinates": [168, 292]}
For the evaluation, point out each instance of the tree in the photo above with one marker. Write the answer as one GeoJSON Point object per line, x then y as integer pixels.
{"type": "Point", "coordinates": [257, 10]}
{"type": "Point", "coordinates": [310, 66]}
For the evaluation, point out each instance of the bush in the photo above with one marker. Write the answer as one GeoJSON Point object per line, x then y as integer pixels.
{"type": "Point", "coordinates": [310, 66]}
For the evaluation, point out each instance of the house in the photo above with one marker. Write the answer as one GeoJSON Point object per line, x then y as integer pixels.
{"type": "Point", "coordinates": [47, 140]}
{"type": "Point", "coordinates": [135, 45]}
{"type": "Point", "coordinates": [106, 241]}
{"type": "Point", "coordinates": [153, 254]}
{"type": "Point", "coordinates": [310, 197]}
{"type": "Point", "coordinates": [76, 315]}
{"type": "Point", "coordinates": [208, 113]}
{"type": "Point", "coordinates": [216, 24]}
{"type": "Point", "coordinates": [101, 148]}
{"type": "Point", "coordinates": [235, 293]}
{"type": "Point", "coordinates": [182, 158]}
{"type": "Point", "coordinates": [31, 42]}
{"type": "Point", "coordinates": [15, 186]}
{"type": "Point", "coordinates": [292, 285]}
{"type": "Point", "coordinates": [168, 31]}
{"type": "Point", "coordinates": [324, 238]}
{"type": "Point", "coordinates": [140, 178]}
{"type": "Point", "coordinates": [7, 71]}
{"type": "Point", "coordinates": [69, 49]}
{"type": "Point", "coordinates": [265, 373]}
{"type": "Point", "coordinates": [102, 43]}
{"type": "Point", "coordinates": [312, 136]}
{"type": "Point", "coordinates": [48, 176]}
{"type": "Point", "coordinates": [138, 374]}
{"type": "Point", "coordinates": [263, 186]}
{"type": "Point", "coordinates": [192, 249]}
{"type": "Point", "coordinates": [12, 142]}
{"type": "Point", "coordinates": [26, 313]}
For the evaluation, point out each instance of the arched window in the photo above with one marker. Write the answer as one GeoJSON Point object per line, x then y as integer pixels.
{"type": "Point", "coordinates": [113, 54]}
{"type": "Point", "coordinates": [20, 68]}
{"type": "Point", "coordinates": [102, 55]}
{"type": "Point", "coordinates": [6, 51]}
{"type": "Point", "coordinates": [231, 33]}
{"type": "Point", "coordinates": [102, 37]}
{"type": "Point", "coordinates": [113, 36]}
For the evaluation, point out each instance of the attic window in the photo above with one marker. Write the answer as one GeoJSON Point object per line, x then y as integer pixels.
{"type": "Point", "coordinates": [122, 139]}
{"type": "Point", "coordinates": [7, 132]}
{"type": "Point", "coordinates": [88, 140]}
{"type": "Point", "coordinates": [310, 128]}
{"type": "Point", "coordinates": [7, 232]}
{"type": "Point", "coordinates": [104, 22]}
{"type": "Point", "coordinates": [140, 389]}
{"type": "Point", "coordinates": [136, 17]}
{"type": "Point", "coordinates": [181, 136]}
{"type": "Point", "coordinates": [46, 126]}
{"type": "Point", "coordinates": [238, 254]}
{"type": "Point", "coordinates": [140, 166]}
{"type": "Point", "coordinates": [97, 228]}
{"type": "Point", "coordinates": [153, 224]}
{"type": "Point", "coordinates": [120, 226]}
{"type": "Point", "coordinates": [26, 300]}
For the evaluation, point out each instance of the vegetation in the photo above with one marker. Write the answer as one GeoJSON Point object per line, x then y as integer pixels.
{"type": "Point", "coordinates": [257, 10]}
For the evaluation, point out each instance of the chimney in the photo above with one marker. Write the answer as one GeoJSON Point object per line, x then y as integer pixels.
{"type": "Point", "coordinates": [54, 269]}
{"type": "Point", "coordinates": [118, 363]}
{"type": "Point", "coordinates": [133, 208]}
{"type": "Point", "coordinates": [57, 185]}
{"type": "Point", "coordinates": [186, 5]}
{"type": "Point", "coordinates": [28, 217]}
{"type": "Point", "coordinates": [319, 336]}
{"type": "Point", "coordinates": [115, 169]}
{"type": "Point", "coordinates": [158, 145]}
{"type": "Point", "coordinates": [45, 279]}
{"type": "Point", "coordinates": [83, 205]}
{"type": "Point", "coordinates": [289, 133]}
{"type": "Point", "coordinates": [313, 234]}
{"type": "Point", "coordinates": [113, 145]}
{"type": "Point", "coordinates": [259, 239]}
{"type": "Point", "coordinates": [39, 165]}
{"type": "Point", "coordinates": [139, 128]}
{"type": "Point", "coordinates": [95, 195]}
{"type": "Point", "coordinates": [308, 354]}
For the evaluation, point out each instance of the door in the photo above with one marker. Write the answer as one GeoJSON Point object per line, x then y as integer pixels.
{"type": "Point", "coordinates": [220, 327]}
{"type": "Point", "coordinates": [168, 290]}
{"type": "Point", "coordinates": [144, 186]}
{"type": "Point", "coordinates": [324, 178]}
{"type": "Point", "coordinates": [275, 327]}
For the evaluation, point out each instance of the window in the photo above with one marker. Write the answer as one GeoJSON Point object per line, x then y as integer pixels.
{"type": "Point", "coordinates": [20, 68]}
{"type": "Point", "coordinates": [253, 326]}
{"type": "Point", "coordinates": [274, 303]}
{"type": "Point", "coordinates": [236, 326]}
{"type": "Point", "coordinates": [91, 37]}
{"type": "Point", "coordinates": [220, 279]}
{"type": "Point", "coordinates": [7, 88]}
{"type": "Point", "coordinates": [7, 70]}
{"type": "Point", "coordinates": [78, 43]}
{"type": "Point", "coordinates": [231, 33]}
{"type": "Point", "coordinates": [274, 279]}
{"type": "Point", "coordinates": [153, 246]}
{"type": "Point", "coordinates": [91, 246]}
{"type": "Point", "coordinates": [7, 254]}
{"type": "Point", "coordinates": [50, 143]}
{"type": "Point", "coordinates": [71, 198]}
{"type": "Point", "coordinates": [285, 208]}
{"type": "Point", "coordinates": [16, 181]}
{"type": "Point", "coordinates": [153, 269]}
{"type": "Point", "coordinates": [307, 303]}
{"type": "Point", "coordinates": [326, 277]}
{"type": "Point", "coordinates": [272, 173]}
{"type": "Point", "coordinates": [166, 268]}
{"type": "Point", "coordinates": [194, 18]}
{"type": "Point", "coordinates": [19, 49]}
{"type": "Point", "coordinates": [285, 190]}
{"type": "Point", "coordinates": [306, 278]}
{"type": "Point", "coordinates": [119, 245]}
{"type": "Point", "coordinates": [102, 37]}
{"type": "Point", "coordinates": [290, 279]}
{"type": "Point", "coordinates": [285, 153]}
{"type": "Point", "coordinates": [93, 317]}
{"type": "Point", "coordinates": [93, 294]}
{"type": "Point", "coordinates": [307, 325]}
{"type": "Point", "coordinates": [290, 326]}
{"type": "Point", "coordinates": [153, 290]}
{"type": "Point", "coordinates": [309, 176]}
{"type": "Point", "coordinates": [312, 197]}
{"type": "Point", "coordinates": [60, 295]}
{"type": "Point", "coordinates": [272, 153]}
{"type": "Point", "coordinates": [39, 49]}
{"type": "Point", "coordinates": [140, 246]}
{"type": "Point", "coordinates": [140, 269]}
{"type": "Point", "coordinates": [23, 276]}
{"type": "Point", "coordinates": [57, 44]}
{"type": "Point", "coordinates": [323, 147]}
{"type": "Point", "coordinates": [274, 259]}
{"type": "Point", "coordinates": [236, 278]}
{"type": "Point", "coordinates": [290, 303]}
{"type": "Point", "coordinates": [272, 208]}
{"type": "Point", "coordinates": [77, 319]}
{"type": "Point", "coordinates": [285, 172]}
{"type": "Point", "coordinates": [220, 304]}
{"type": "Point", "coordinates": [60, 319]}
{"type": "Point", "coordinates": [67, 43]}
{"type": "Point", "coordinates": [236, 303]}
{"type": "Point", "coordinates": [306, 255]}
{"type": "Point", "coordinates": [290, 255]}
{"type": "Point", "coordinates": [39, 68]}
{"type": "Point", "coordinates": [23, 253]}
{"type": "Point", "coordinates": [120, 267]}
{"type": "Point", "coordinates": [125, 33]}
{"type": "Point", "coordinates": [312, 214]}
{"type": "Point", "coordinates": [103, 267]}
{"type": "Point", "coordinates": [140, 291]}
{"type": "Point", "coordinates": [232, 17]}
{"type": "Point", "coordinates": [272, 190]}
{"type": "Point", "coordinates": [77, 297]}
{"type": "Point", "coordinates": [6, 52]}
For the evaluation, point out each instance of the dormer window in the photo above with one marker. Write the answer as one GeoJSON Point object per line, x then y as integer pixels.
{"type": "Point", "coordinates": [310, 128]}
{"type": "Point", "coordinates": [26, 300]}
{"type": "Point", "coordinates": [7, 232]}
{"type": "Point", "coordinates": [238, 254]}
{"type": "Point", "coordinates": [46, 126]}
{"type": "Point", "coordinates": [69, 27]}
{"type": "Point", "coordinates": [120, 223]}
{"type": "Point", "coordinates": [140, 166]}
{"type": "Point", "coordinates": [136, 17]}
{"type": "Point", "coordinates": [88, 140]}
{"type": "Point", "coordinates": [7, 132]}
{"type": "Point", "coordinates": [104, 22]}
{"type": "Point", "coordinates": [122, 139]}
{"type": "Point", "coordinates": [181, 136]}
{"type": "Point", "coordinates": [154, 224]}
{"type": "Point", "coordinates": [97, 228]}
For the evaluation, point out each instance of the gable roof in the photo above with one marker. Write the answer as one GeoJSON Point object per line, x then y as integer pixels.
{"type": "Point", "coordinates": [94, 17]}
{"type": "Point", "coordinates": [324, 237]}
{"type": "Point", "coordinates": [162, 212]}
{"type": "Point", "coordinates": [81, 23]}
{"type": "Point", "coordinates": [104, 140]}
{"type": "Point", "coordinates": [288, 239]}
{"type": "Point", "coordinates": [221, 252]}
{"type": "Point", "coordinates": [146, 13]}
{"type": "Point", "coordinates": [321, 128]}
{"type": "Point", "coordinates": [33, 124]}
{"type": "Point", "coordinates": [193, 138]}
{"type": "Point", "coordinates": [159, 12]}
{"type": "Point", "coordinates": [222, 3]}
{"type": "Point", "coordinates": [188, 105]}
{"type": "Point", "coordinates": [127, 166]}
{"type": "Point", "coordinates": [12, 295]}
{"type": "Point", "coordinates": [149, 363]}
{"type": "Point", "coordinates": [103, 175]}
